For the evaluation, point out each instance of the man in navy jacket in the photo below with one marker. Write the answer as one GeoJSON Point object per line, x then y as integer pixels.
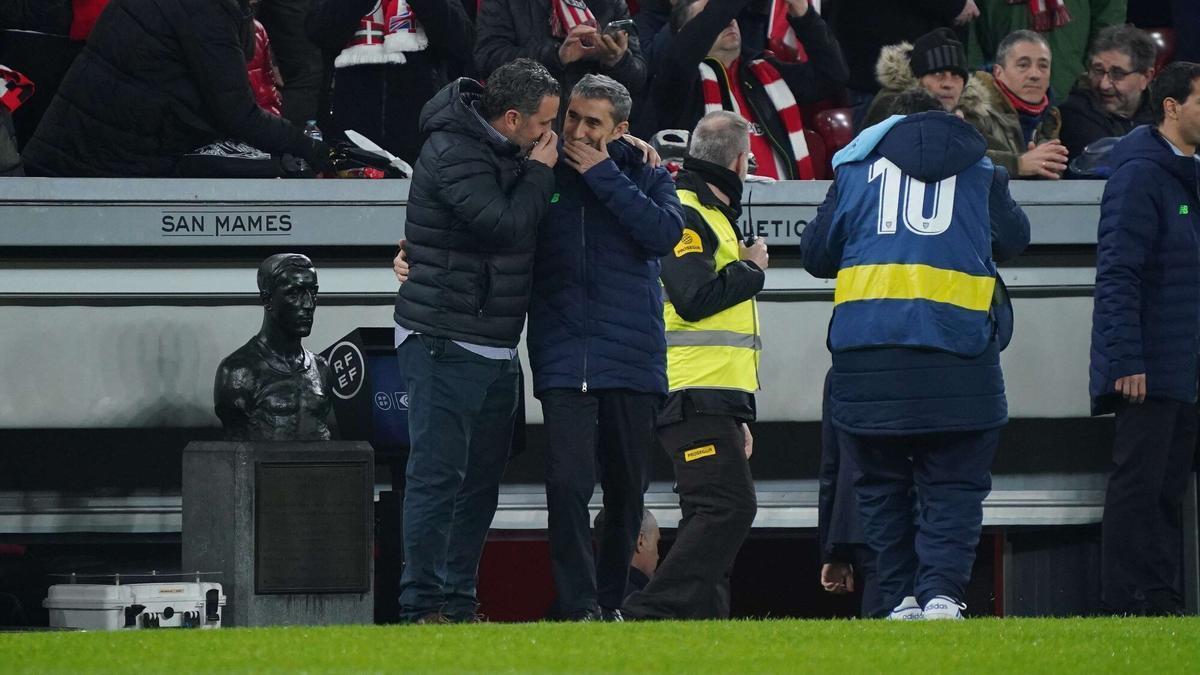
{"type": "Point", "coordinates": [596, 341]}
{"type": "Point", "coordinates": [909, 229]}
{"type": "Point", "coordinates": [1145, 336]}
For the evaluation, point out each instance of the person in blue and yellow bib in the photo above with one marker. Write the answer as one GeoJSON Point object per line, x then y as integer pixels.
{"type": "Point", "coordinates": [910, 229]}
{"type": "Point", "coordinates": [713, 344]}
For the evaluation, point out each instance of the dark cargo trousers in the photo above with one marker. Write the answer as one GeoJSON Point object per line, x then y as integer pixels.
{"type": "Point", "coordinates": [717, 498]}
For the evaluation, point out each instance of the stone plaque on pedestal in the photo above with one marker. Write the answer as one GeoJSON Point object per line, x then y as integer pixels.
{"type": "Point", "coordinates": [288, 525]}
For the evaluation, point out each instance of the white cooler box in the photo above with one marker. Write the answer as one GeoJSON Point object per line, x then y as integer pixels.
{"type": "Point", "coordinates": [156, 605]}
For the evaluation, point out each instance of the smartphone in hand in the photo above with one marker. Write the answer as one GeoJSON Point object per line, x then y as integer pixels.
{"type": "Point", "coordinates": [620, 25]}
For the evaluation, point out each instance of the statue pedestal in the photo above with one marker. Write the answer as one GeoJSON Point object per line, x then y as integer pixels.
{"type": "Point", "coordinates": [289, 525]}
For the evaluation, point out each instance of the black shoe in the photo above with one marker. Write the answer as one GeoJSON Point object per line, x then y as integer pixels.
{"type": "Point", "coordinates": [611, 615]}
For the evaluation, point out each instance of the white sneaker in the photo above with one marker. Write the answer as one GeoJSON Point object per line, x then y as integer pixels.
{"type": "Point", "coordinates": [943, 607]}
{"type": "Point", "coordinates": [908, 610]}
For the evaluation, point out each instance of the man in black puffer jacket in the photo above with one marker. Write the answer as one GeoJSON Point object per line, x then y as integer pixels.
{"type": "Point", "coordinates": [473, 211]}
{"type": "Point", "coordinates": [158, 79]}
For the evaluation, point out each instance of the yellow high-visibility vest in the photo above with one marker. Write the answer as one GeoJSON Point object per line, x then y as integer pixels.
{"type": "Point", "coordinates": [720, 351]}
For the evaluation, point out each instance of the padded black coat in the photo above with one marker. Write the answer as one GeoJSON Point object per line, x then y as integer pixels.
{"type": "Point", "coordinates": [473, 211]}
{"type": "Point", "coordinates": [383, 102]}
{"type": "Point", "coordinates": [158, 79]}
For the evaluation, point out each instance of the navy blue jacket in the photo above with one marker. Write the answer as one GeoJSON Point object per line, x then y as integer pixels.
{"type": "Point", "coordinates": [903, 386]}
{"type": "Point", "coordinates": [1146, 317]}
{"type": "Point", "coordinates": [596, 316]}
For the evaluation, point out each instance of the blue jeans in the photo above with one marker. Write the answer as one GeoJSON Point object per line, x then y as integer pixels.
{"type": "Point", "coordinates": [460, 420]}
{"type": "Point", "coordinates": [932, 554]}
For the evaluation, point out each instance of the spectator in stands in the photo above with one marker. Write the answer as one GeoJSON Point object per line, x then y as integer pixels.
{"type": "Point", "coordinates": [1067, 26]}
{"type": "Point", "coordinates": [299, 59]}
{"type": "Point", "coordinates": [916, 390]}
{"type": "Point", "coordinates": [481, 184]}
{"type": "Point", "coordinates": [1010, 108]}
{"type": "Point", "coordinates": [261, 70]}
{"type": "Point", "coordinates": [1145, 328]}
{"type": "Point", "coordinates": [844, 549]}
{"type": "Point", "coordinates": [40, 39]}
{"type": "Point", "coordinates": [706, 68]}
{"type": "Point", "coordinates": [645, 556]}
{"type": "Point", "coordinates": [1110, 98]}
{"type": "Point", "coordinates": [1185, 18]}
{"type": "Point", "coordinates": [596, 343]}
{"type": "Point", "coordinates": [391, 58]}
{"type": "Point", "coordinates": [158, 79]}
{"type": "Point", "coordinates": [710, 280]}
{"type": "Point", "coordinates": [652, 19]}
{"type": "Point", "coordinates": [569, 37]}
{"type": "Point", "coordinates": [756, 19]}
{"type": "Point", "coordinates": [935, 62]}
{"type": "Point", "coordinates": [15, 90]}
{"type": "Point", "coordinates": [865, 27]}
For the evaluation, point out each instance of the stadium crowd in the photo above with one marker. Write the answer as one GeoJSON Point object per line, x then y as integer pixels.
{"type": "Point", "coordinates": [203, 88]}
{"type": "Point", "coordinates": [642, 325]}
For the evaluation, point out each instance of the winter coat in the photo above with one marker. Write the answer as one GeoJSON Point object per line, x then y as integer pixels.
{"type": "Point", "coordinates": [986, 109]}
{"type": "Point", "coordinates": [925, 358]}
{"type": "Point", "coordinates": [261, 71]}
{"type": "Point", "coordinates": [43, 16]}
{"type": "Point", "coordinates": [473, 211]}
{"type": "Point", "coordinates": [34, 42]}
{"type": "Point", "coordinates": [10, 159]}
{"type": "Point", "coordinates": [596, 316]}
{"type": "Point", "coordinates": [158, 79]}
{"type": "Point", "coordinates": [1068, 44]}
{"type": "Point", "coordinates": [510, 29]}
{"type": "Point", "coordinates": [677, 100]}
{"type": "Point", "coordinates": [863, 27]}
{"type": "Point", "coordinates": [383, 102]}
{"type": "Point", "coordinates": [894, 74]}
{"type": "Point", "coordinates": [1146, 317]}
{"type": "Point", "coordinates": [1085, 120]}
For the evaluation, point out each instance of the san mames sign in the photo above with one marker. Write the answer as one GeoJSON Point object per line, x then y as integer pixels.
{"type": "Point", "coordinates": [226, 223]}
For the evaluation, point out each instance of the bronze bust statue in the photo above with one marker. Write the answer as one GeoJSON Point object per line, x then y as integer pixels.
{"type": "Point", "coordinates": [272, 388]}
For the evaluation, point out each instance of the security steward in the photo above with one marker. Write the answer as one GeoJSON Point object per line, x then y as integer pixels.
{"type": "Point", "coordinates": [713, 346]}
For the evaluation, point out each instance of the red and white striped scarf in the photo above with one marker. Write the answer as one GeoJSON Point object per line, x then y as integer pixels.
{"type": "Point", "coordinates": [383, 36]}
{"type": "Point", "coordinates": [781, 38]}
{"type": "Point", "coordinates": [781, 98]}
{"type": "Point", "coordinates": [567, 15]}
{"type": "Point", "coordinates": [1045, 15]}
{"type": "Point", "coordinates": [15, 88]}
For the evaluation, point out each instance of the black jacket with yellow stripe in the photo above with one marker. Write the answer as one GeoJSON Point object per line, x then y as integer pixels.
{"type": "Point", "coordinates": [697, 290]}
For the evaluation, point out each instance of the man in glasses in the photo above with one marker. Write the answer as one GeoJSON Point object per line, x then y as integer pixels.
{"type": "Point", "coordinates": [1110, 98]}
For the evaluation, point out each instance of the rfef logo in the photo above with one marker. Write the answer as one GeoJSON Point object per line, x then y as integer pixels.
{"type": "Point", "coordinates": [349, 369]}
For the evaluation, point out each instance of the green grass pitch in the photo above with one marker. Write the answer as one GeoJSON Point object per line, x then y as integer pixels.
{"type": "Point", "coordinates": [1156, 646]}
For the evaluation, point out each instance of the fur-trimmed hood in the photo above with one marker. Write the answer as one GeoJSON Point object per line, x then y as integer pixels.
{"type": "Point", "coordinates": [893, 70]}
{"type": "Point", "coordinates": [981, 95]}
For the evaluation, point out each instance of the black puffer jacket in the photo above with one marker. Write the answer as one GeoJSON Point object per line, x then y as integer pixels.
{"type": "Point", "coordinates": [510, 29]}
{"type": "Point", "coordinates": [473, 212]}
{"type": "Point", "coordinates": [383, 102]}
{"type": "Point", "coordinates": [158, 78]}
